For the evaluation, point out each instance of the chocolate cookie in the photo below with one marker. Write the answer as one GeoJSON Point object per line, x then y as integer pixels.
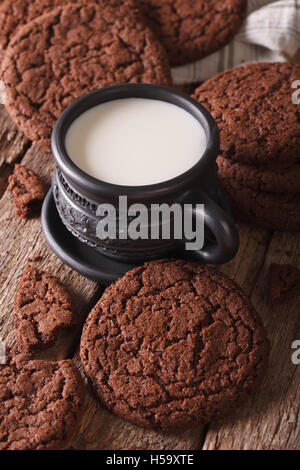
{"type": "Point", "coordinates": [266, 210]}
{"type": "Point", "coordinates": [259, 124]}
{"type": "Point", "coordinates": [264, 180]}
{"type": "Point", "coordinates": [284, 283]}
{"type": "Point", "coordinates": [19, 12]}
{"type": "Point", "coordinates": [62, 55]}
{"type": "Point", "coordinates": [191, 30]}
{"type": "Point", "coordinates": [43, 308]}
{"type": "Point", "coordinates": [41, 403]}
{"type": "Point", "coordinates": [173, 344]}
{"type": "Point", "coordinates": [27, 190]}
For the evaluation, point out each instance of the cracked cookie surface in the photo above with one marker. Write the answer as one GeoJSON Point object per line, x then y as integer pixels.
{"type": "Point", "coordinates": [172, 345]}
{"type": "Point", "coordinates": [252, 105]}
{"type": "Point", "coordinates": [15, 14]}
{"type": "Point", "coordinates": [43, 308]}
{"type": "Point", "coordinates": [41, 403]}
{"type": "Point", "coordinates": [190, 29]}
{"type": "Point", "coordinates": [75, 49]}
{"type": "Point", "coordinates": [264, 180]}
{"type": "Point", "coordinates": [27, 190]}
{"type": "Point", "coordinates": [19, 12]}
{"type": "Point", "coordinates": [273, 211]}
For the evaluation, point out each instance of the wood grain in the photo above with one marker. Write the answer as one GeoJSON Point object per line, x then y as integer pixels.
{"type": "Point", "coordinates": [13, 146]}
{"type": "Point", "coordinates": [13, 143]}
{"type": "Point", "coordinates": [244, 268]}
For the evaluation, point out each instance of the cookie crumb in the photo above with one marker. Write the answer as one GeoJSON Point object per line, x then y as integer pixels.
{"type": "Point", "coordinates": [284, 282]}
{"type": "Point", "coordinates": [35, 259]}
{"type": "Point", "coordinates": [27, 190]}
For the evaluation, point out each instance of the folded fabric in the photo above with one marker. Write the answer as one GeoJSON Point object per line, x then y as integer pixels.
{"type": "Point", "coordinates": [271, 32]}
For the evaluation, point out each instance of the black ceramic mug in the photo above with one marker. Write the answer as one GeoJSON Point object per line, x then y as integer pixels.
{"type": "Point", "coordinates": [77, 195]}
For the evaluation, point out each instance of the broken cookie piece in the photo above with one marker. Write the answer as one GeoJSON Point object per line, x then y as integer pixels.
{"type": "Point", "coordinates": [284, 283]}
{"type": "Point", "coordinates": [28, 191]}
{"type": "Point", "coordinates": [43, 307]}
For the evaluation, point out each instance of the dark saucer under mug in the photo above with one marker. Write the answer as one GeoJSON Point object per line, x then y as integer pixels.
{"type": "Point", "coordinates": [79, 256]}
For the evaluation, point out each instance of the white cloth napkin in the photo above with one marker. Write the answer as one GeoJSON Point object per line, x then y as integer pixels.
{"type": "Point", "coordinates": [271, 32]}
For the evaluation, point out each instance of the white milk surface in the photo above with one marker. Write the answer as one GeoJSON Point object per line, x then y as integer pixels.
{"type": "Point", "coordinates": [135, 141]}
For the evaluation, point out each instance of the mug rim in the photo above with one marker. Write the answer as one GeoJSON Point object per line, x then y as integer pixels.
{"type": "Point", "coordinates": [130, 90]}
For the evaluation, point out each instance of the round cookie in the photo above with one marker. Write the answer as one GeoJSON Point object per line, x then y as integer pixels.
{"type": "Point", "coordinates": [252, 105]}
{"type": "Point", "coordinates": [273, 211]}
{"type": "Point", "coordinates": [261, 180]}
{"type": "Point", "coordinates": [172, 345]}
{"type": "Point", "coordinates": [75, 49]}
{"type": "Point", "coordinates": [193, 29]}
{"type": "Point", "coordinates": [41, 403]}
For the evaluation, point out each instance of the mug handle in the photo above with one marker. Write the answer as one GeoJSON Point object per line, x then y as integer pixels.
{"type": "Point", "coordinates": [222, 227]}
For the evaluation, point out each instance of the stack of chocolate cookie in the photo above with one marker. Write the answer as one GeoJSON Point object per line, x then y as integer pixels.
{"type": "Point", "coordinates": [259, 162]}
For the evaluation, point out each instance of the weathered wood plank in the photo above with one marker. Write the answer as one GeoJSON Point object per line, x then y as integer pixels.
{"type": "Point", "coordinates": [13, 146]}
{"type": "Point", "coordinates": [13, 143]}
{"type": "Point", "coordinates": [21, 240]}
{"type": "Point", "coordinates": [271, 419]}
{"type": "Point", "coordinates": [5, 171]}
{"type": "Point", "coordinates": [102, 430]}
{"type": "Point", "coordinates": [244, 268]}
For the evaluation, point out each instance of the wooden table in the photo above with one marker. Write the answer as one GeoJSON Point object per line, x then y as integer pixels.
{"type": "Point", "coordinates": [269, 421]}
